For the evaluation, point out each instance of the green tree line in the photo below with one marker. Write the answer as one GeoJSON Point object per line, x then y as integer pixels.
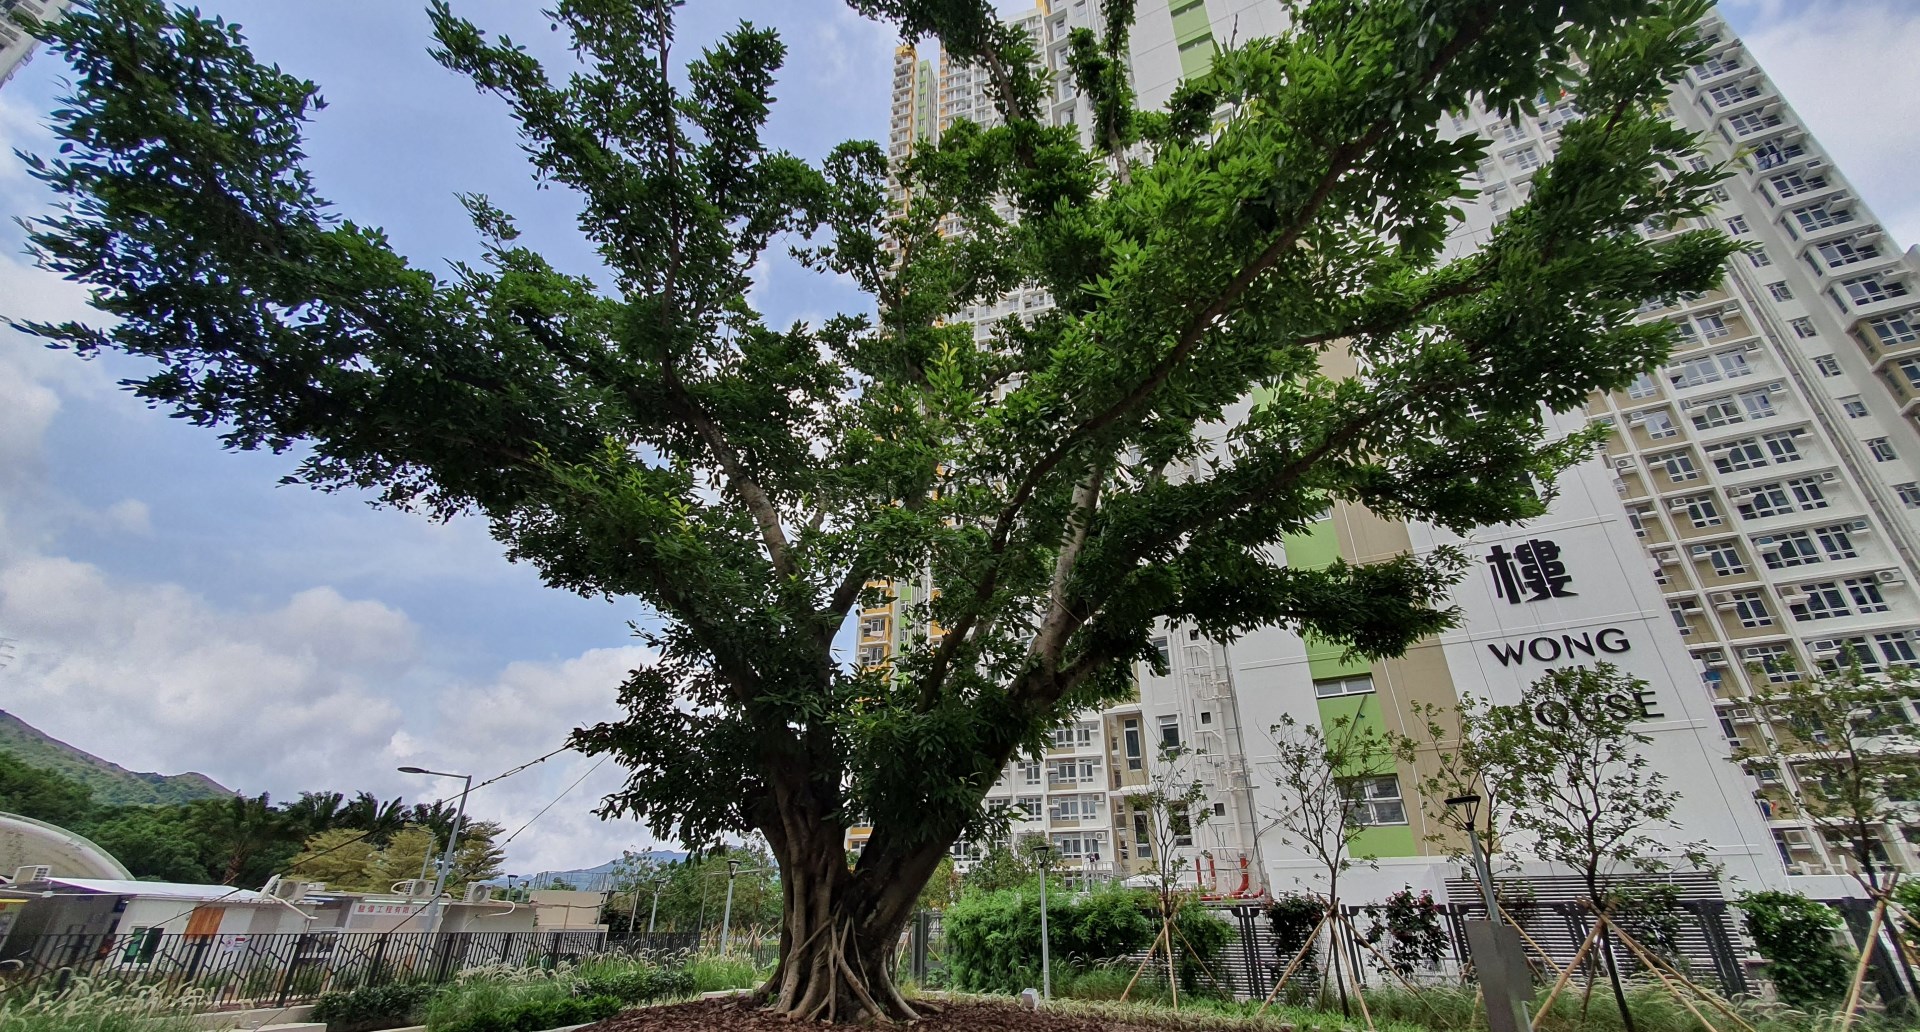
{"type": "Point", "coordinates": [348, 842]}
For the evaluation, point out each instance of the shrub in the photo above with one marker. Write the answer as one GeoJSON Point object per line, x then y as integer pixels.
{"type": "Point", "coordinates": [711, 973]}
{"type": "Point", "coordinates": [1795, 934]}
{"type": "Point", "coordinates": [369, 1007]}
{"type": "Point", "coordinates": [635, 983]}
{"type": "Point", "coordinates": [1406, 928]}
{"type": "Point", "coordinates": [1294, 917]}
{"type": "Point", "coordinates": [1201, 936]}
{"type": "Point", "coordinates": [497, 1004]}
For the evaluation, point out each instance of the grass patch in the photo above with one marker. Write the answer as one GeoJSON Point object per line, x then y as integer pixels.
{"type": "Point", "coordinates": [100, 1006]}
{"type": "Point", "coordinates": [712, 973]}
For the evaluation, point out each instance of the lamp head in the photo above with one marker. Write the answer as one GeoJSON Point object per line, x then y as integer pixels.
{"type": "Point", "coordinates": [415, 770]}
{"type": "Point", "coordinates": [1468, 803]}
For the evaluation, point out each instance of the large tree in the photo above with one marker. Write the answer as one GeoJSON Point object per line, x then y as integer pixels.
{"type": "Point", "coordinates": [645, 435]}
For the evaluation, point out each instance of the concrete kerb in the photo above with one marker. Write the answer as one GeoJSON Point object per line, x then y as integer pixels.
{"type": "Point", "coordinates": [256, 1018]}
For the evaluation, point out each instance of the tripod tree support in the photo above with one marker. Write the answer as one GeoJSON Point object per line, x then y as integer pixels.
{"type": "Point", "coordinates": [1312, 937]}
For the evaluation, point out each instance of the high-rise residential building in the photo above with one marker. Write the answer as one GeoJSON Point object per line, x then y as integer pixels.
{"type": "Point", "coordinates": [16, 47]}
{"type": "Point", "coordinates": [1757, 503]}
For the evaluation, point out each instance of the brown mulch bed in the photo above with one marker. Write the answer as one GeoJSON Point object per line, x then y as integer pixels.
{"type": "Point", "coordinates": [723, 1015]}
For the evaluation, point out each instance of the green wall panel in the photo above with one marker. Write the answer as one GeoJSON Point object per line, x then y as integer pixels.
{"type": "Point", "coordinates": [1384, 840]}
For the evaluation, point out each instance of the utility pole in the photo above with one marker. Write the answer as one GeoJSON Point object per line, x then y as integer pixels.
{"type": "Point", "coordinates": [453, 839]}
{"type": "Point", "coordinates": [1045, 853]}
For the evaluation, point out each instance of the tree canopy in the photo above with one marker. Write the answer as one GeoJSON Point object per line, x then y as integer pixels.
{"type": "Point", "coordinates": [642, 433]}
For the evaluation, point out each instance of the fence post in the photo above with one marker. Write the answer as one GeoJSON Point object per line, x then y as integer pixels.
{"type": "Point", "coordinates": [1713, 925]}
{"type": "Point", "coordinates": [379, 957]}
{"type": "Point", "coordinates": [553, 952]}
{"type": "Point", "coordinates": [917, 944]}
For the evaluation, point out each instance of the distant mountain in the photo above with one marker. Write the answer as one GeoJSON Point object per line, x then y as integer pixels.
{"type": "Point", "coordinates": [589, 879]}
{"type": "Point", "coordinates": [111, 783]}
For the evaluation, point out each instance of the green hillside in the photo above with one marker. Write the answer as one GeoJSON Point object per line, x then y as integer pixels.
{"type": "Point", "coordinates": [111, 783]}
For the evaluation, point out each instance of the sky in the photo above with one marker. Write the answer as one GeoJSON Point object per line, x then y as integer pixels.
{"type": "Point", "coordinates": [170, 607]}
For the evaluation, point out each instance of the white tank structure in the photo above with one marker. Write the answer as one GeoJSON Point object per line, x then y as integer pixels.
{"type": "Point", "coordinates": [25, 842]}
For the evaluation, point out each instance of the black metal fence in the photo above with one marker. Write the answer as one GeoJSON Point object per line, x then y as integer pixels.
{"type": "Point", "coordinates": [275, 969]}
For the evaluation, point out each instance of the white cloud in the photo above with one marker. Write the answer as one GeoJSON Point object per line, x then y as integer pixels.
{"type": "Point", "coordinates": [1848, 70]}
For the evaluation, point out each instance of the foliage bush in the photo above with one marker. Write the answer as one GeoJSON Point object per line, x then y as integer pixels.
{"type": "Point", "coordinates": [368, 1007]}
{"type": "Point", "coordinates": [631, 982]}
{"type": "Point", "coordinates": [1795, 934]}
{"type": "Point", "coordinates": [1294, 916]}
{"type": "Point", "coordinates": [993, 938]}
{"type": "Point", "coordinates": [491, 1002]}
{"type": "Point", "coordinates": [1405, 927]}
{"type": "Point", "coordinates": [711, 973]}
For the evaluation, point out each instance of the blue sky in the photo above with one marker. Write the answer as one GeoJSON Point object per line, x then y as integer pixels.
{"type": "Point", "coordinates": [170, 608]}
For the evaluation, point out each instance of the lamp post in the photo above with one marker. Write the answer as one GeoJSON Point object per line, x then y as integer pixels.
{"type": "Point", "coordinates": [726, 920]}
{"type": "Point", "coordinates": [453, 837]}
{"type": "Point", "coordinates": [1045, 853]}
{"type": "Point", "coordinates": [1469, 806]}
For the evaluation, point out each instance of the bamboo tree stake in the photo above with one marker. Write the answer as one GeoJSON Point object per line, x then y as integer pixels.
{"type": "Point", "coordinates": [1173, 980]}
{"type": "Point", "coordinates": [1860, 971]}
{"type": "Point", "coordinates": [1566, 974]}
{"type": "Point", "coordinates": [1148, 959]}
{"type": "Point", "coordinates": [1653, 960]}
{"type": "Point", "coordinates": [1288, 973]}
{"type": "Point", "coordinates": [1359, 990]}
{"type": "Point", "coordinates": [1672, 989]}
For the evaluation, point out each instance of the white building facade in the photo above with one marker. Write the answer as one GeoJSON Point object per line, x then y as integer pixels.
{"type": "Point", "coordinates": [1758, 502]}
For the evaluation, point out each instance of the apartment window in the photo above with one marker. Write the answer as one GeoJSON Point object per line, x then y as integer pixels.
{"type": "Point", "coordinates": [1695, 371]}
{"type": "Point", "coordinates": [1793, 184]}
{"type": "Point", "coordinates": [1882, 451]}
{"type": "Point", "coordinates": [1753, 122]}
{"type": "Point", "coordinates": [1160, 647]}
{"type": "Point", "coordinates": [1894, 329]}
{"type": "Point", "coordinates": [1909, 493]}
{"type": "Point", "coordinates": [1374, 800]}
{"type": "Point", "coordinates": [1758, 258]}
{"type": "Point", "coordinates": [1865, 592]}
{"type": "Point", "coordinates": [1712, 327]}
{"type": "Point", "coordinates": [1660, 424]}
{"type": "Point", "coordinates": [1780, 444]}
{"type": "Point", "coordinates": [1896, 647]}
{"type": "Point", "coordinates": [1794, 549]}
{"type": "Point", "coordinates": [1078, 736]}
{"type": "Point", "coordinates": [1819, 216]}
{"type": "Point", "coordinates": [1764, 501]}
{"type": "Point", "coordinates": [1678, 465]}
{"type": "Point", "coordinates": [1075, 808]}
{"type": "Point", "coordinates": [1773, 154]}
{"type": "Point", "coordinates": [1836, 541]}
{"type": "Point", "coordinates": [1727, 96]}
{"type": "Point", "coordinates": [1680, 611]}
{"type": "Point", "coordinates": [1779, 291]}
{"type": "Point", "coordinates": [1702, 511]}
{"type": "Point", "coordinates": [1180, 823]}
{"type": "Point", "coordinates": [1824, 601]}
{"type": "Point", "coordinates": [1643, 386]}
{"type": "Point", "coordinates": [1853, 407]}
{"type": "Point", "coordinates": [1758, 404]}
{"type": "Point", "coordinates": [1031, 807]}
{"type": "Point", "coordinates": [1827, 364]}
{"type": "Point", "coordinates": [1751, 608]}
{"type": "Point", "coordinates": [1807, 492]}
{"type": "Point", "coordinates": [1030, 773]}
{"type": "Point", "coordinates": [873, 655]}
{"type": "Point", "coordinates": [1737, 225]}
{"type": "Point", "coordinates": [1865, 290]}
{"type": "Point", "coordinates": [1718, 412]}
{"type": "Point", "coordinates": [1910, 368]}
{"type": "Point", "coordinates": [1169, 732]}
{"type": "Point", "coordinates": [1131, 742]}
{"type": "Point", "coordinates": [1142, 837]}
{"type": "Point", "coordinates": [1774, 661]}
{"type": "Point", "coordinates": [1074, 772]}
{"type": "Point", "coordinates": [1734, 456]}
{"type": "Point", "coordinates": [1723, 556]}
{"type": "Point", "coordinates": [1077, 846]}
{"type": "Point", "coordinates": [1525, 158]}
{"type": "Point", "coordinates": [1843, 252]}
{"type": "Point", "coordinates": [1637, 517]}
{"type": "Point", "coordinates": [1334, 688]}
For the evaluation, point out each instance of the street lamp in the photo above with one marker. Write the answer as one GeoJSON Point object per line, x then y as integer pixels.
{"type": "Point", "coordinates": [1044, 852]}
{"type": "Point", "coordinates": [1469, 805]}
{"type": "Point", "coordinates": [453, 837]}
{"type": "Point", "coordinates": [726, 919]}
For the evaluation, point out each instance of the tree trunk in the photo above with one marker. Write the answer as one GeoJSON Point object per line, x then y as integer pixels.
{"type": "Point", "coordinates": [841, 929]}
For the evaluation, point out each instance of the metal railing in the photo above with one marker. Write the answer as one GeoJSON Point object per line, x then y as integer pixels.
{"type": "Point", "coordinates": [274, 969]}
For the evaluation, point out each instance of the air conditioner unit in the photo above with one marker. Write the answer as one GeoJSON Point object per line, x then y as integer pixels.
{"type": "Point", "coordinates": [1677, 504]}
{"type": "Point", "coordinates": [1666, 558]}
{"type": "Point", "coordinates": [288, 890]}
{"type": "Point", "coordinates": [1716, 660]}
{"type": "Point", "coordinates": [1623, 462]}
{"type": "Point", "coordinates": [1750, 346]}
{"type": "Point", "coordinates": [1889, 576]}
{"type": "Point", "coordinates": [33, 873]}
{"type": "Point", "coordinates": [1859, 526]}
{"type": "Point", "coordinates": [1764, 540]}
{"type": "Point", "coordinates": [1740, 713]}
{"type": "Point", "coordinates": [1776, 387]}
{"type": "Point", "coordinates": [1797, 837]}
{"type": "Point", "coordinates": [1723, 600]}
{"type": "Point", "coordinates": [413, 887]}
{"type": "Point", "coordinates": [478, 893]}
